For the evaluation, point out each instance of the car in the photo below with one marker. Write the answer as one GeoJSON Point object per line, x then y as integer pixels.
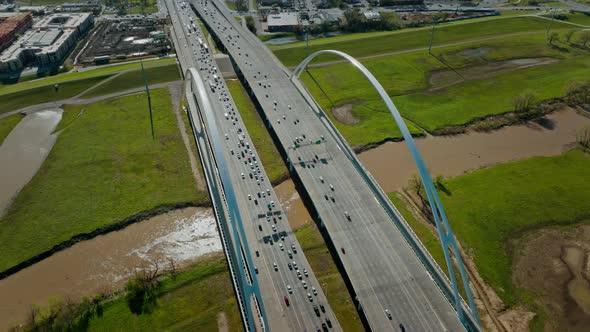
{"type": "Point", "coordinates": [257, 253]}
{"type": "Point", "coordinates": [260, 228]}
{"type": "Point", "coordinates": [343, 251]}
{"type": "Point", "coordinates": [290, 266]}
{"type": "Point", "coordinates": [275, 266]}
{"type": "Point", "coordinates": [249, 197]}
{"type": "Point", "coordinates": [304, 284]}
{"type": "Point", "coordinates": [347, 215]}
{"type": "Point", "coordinates": [286, 300]}
{"type": "Point", "coordinates": [388, 314]}
{"type": "Point", "coordinates": [310, 297]}
{"type": "Point", "coordinates": [305, 273]}
{"type": "Point", "coordinates": [281, 245]}
{"type": "Point", "coordinates": [314, 291]}
{"type": "Point", "coordinates": [329, 322]}
{"type": "Point", "coordinates": [293, 247]}
{"type": "Point", "coordinates": [243, 176]}
{"type": "Point", "coordinates": [324, 327]}
{"type": "Point", "coordinates": [289, 289]}
{"type": "Point", "coordinates": [294, 265]}
{"type": "Point", "coordinates": [274, 229]}
{"type": "Point", "coordinates": [255, 270]}
{"type": "Point", "coordinates": [322, 308]}
{"type": "Point", "coordinates": [402, 328]}
{"type": "Point", "coordinates": [316, 310]}
{"type": "Point", "coordinates": [299, 275]}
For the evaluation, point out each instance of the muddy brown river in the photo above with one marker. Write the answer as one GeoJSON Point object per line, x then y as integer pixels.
{"type": "Point", "coordinates": [392, 165]}
{"type": "Point", "coordinates": [105, 262]}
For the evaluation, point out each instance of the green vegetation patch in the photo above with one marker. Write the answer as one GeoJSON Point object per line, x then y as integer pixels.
{"type": "Point", "coordinates": [71, 76]}
{"type": "Point", "coordinates": [104, 168]}
{"type": "Point", "coordinates": [273, 164]}
{"type": "Point", "coordinates": [7, 124]}
{"type": "Point", "coordinates": [191, 301]}
{"type": "Point", "coordinates": [46, 93]}
{"type": "Point", "coordinates": [488, 207]}
{"type": "Point", "coordinates": [135, 79]}
{"type": "Point", "coordinates": [473, 88]}
{"type": "Point", "coordinates": [418, 38]}
{"type": "Point", "coordinates": [330, 280]}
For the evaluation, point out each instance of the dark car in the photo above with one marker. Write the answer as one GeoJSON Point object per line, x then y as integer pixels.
{"type": "Point", "coordinates": [324, 327]}
{"type": "Point", "coordinates": [329, 322]}
{"type": "Point", "coordinates": [317, 311]}
{"type": "Point", "coordinates": [322, 308]}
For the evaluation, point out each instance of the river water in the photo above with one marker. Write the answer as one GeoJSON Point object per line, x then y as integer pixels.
{"type": "Point", "coordinates": [23, 152]}
{"type": "Point", "coordinates": [392, 165]}
{"type": "Point", "coordinates": [104, 263]}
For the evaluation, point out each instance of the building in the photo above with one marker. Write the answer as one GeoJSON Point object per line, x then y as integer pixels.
{"type": "Point", "coordinates": [286, 21]}
{"type": "Point", "coordinates": [372, 16]}
{"type": "Point", "coordinates": [48, 43]}
{"type": "Point", "coordinates": [11, 26]}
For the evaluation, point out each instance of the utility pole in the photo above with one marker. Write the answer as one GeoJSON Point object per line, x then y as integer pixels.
{"type": "Point", "coordinates": [431, 36]}
{"type": "Point", "coordinates": [147, 90]}
{"type": "Point", "coordinates": [548, 30]}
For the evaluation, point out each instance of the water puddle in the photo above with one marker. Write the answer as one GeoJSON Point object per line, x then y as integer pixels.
{"type": "Point", "coordinates": [392, 165]}
{"type": "Point", "coordinates": [105, 262]}
{"type": "Point", "coordinates": [24, 151]}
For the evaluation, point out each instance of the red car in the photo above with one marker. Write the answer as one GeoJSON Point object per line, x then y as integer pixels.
{"type": "Point", "coordinates": [287, 301]}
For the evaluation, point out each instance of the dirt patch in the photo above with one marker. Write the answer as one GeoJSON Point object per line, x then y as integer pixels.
{"type": "Point", "coordinates": [222, 322]}
{"type": "Point", "coordinates": [447, 77]}
{"type": "Point", "coordinates": [293, 205]}
{"type": "Point", "coordinates": [345, 115]}
{"type": "Point", "coordinates": [559, 276]}
{"type": "Point", "coordinates": [475, 51]}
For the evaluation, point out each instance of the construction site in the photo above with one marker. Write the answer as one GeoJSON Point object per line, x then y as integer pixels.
{"type": "Point", "coordinates": [124, 38]}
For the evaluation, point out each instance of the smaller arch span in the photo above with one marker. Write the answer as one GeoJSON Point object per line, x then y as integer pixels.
{"type": "Point", "coordinates": [442, 224]}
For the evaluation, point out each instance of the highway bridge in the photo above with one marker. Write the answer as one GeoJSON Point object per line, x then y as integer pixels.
{"type": "Point", "coordinates": [275, 286]}
{"type": "Point", "coordinates": [398, 286]}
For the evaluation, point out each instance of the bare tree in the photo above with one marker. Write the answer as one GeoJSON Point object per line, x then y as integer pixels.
{"type": "Point", "coordinates": [583, 138]}
{"type": "Point", "coordinates": [585, 37]}
{"type": "Point", "coordinates": [523, 102]}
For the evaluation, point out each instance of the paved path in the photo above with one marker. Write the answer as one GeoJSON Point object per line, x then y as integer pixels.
{"type": "Point", "coordinates": [76, 100]}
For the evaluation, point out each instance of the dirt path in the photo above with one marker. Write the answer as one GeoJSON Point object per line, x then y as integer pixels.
{"type": "Point", "coordinates": [222, 322]}
{"type": "Point", "coordinates": [79, 101]}
{"type": "Point", "coordinates": [176, 95]}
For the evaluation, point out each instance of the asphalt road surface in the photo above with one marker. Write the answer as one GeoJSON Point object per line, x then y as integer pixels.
{"type": "Point", "coordinates": [283, 270]}
{"type": "Point", "coordinates": [392, 285]}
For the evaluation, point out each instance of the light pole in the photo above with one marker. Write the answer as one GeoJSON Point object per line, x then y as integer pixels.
{"type": "Point", "coordinates": [147, 90]}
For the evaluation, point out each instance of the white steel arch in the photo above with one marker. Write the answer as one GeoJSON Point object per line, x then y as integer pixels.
{"type": "Point", "coordinates": [442, 224]}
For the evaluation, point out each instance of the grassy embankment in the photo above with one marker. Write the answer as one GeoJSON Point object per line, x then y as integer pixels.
{"type": "Point", "coordinates": [151, 6]}
{"type": "Point", "coordinates": [477, 91]}
{"type": "Point", "coordinates": [273, 164]}
{"type": "Point", "coordinates": [488, 207]}
{"type": "Point", "coordinates": [7, 124]}
{"type": "Point", "coordinates": [98, 71]}
{"type": "Point", "coordinates": [46, 93]}
{"type": "Point", "coordinates": [104, 168]}
{"type": "Point", "coordinates": [308, 236]}
{"type": "Point", "coordinates": [134, 79]}
{"type": "Point", "coordinates": [189, 302]}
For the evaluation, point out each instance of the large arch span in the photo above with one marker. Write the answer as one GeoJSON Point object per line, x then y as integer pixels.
{"type": "Point", "coordinates": [442, 224]}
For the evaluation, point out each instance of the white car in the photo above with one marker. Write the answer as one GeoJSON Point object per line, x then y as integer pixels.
{"type": "Point", "coordinates": [289, 289]}
{"type": "Point", "coordinates": [281, 246]}
{"type": "Point", "coordinates": [309, 297]}
{"type": "Point", "coordinates": [275, 266]}
{"type": "Point", "coordinates": [315, 292]}
{"type": "Point", "coordinates": [304, 284]}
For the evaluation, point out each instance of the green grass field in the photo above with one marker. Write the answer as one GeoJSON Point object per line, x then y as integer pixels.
{"type": "Point", "coordinates": [189, 302]}
{"type": "Point", "coordinates": [406, 77]}
{"type": "Point", "coordinates": [273, 164]}
{"type": "Point", "coordinates": [134, 79]}
{"type": "Point", "coordinates": [579, 18]}
{"type": "Point", "coordinates": [98, 71]}
{"type": "Point", "coordinates": [7, 124]}
{"type": "Point", "coordinates": [408, 39]}
{"type": "Point", "coordinates": [488, 207]}
{"type": "Point", "coordinates": [46, 93]}
{"type": "Point", "coordinates": [103, 168]}
{"type": "Point", "coordinates": [326, 272]}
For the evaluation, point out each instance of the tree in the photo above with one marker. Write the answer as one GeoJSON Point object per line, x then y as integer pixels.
{"type": "Point", "coordinates": [241, 5]}
{"type": "Point", "coordinates": [583, 138]}
{"type": "Point", "coordinates": [523, 102]}
{"type": "Point", "coordinates": [585, 38]}
{"type": "Point", "coordinates": [142, 290]}
{"type": "Point", "coordinates": [250, 24]}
